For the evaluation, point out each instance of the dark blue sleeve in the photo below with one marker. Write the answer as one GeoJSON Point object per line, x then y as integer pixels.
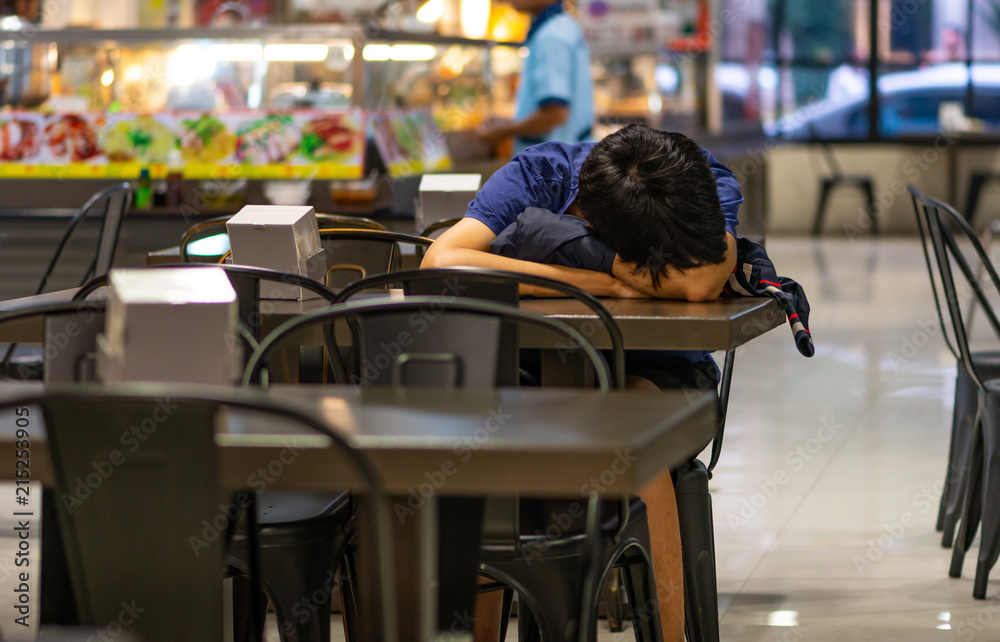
{"type": "Point", "coordinates": [544, 237]}
{"type": "Point", "coordinates": [730, 196]}
{"type": "Point", "coordinates": [537, 177]}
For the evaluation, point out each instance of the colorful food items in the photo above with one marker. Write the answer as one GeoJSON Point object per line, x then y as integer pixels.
{"type": "Point", "coordinates": [19, 139]}
{"type": "Point", "coordinates": [71, 138]}
{"type": "Point", "coordinates": [205, 140]}
{"type": "Point", "coordinates": [269, 140]}
{"type": "Point", "coordinates": [142, 139]}
{"type": "Point", "coordinates": [330, 138]}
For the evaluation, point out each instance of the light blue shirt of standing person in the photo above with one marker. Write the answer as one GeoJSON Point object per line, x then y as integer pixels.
{"type": "Point", "coordinates": [556, 72]}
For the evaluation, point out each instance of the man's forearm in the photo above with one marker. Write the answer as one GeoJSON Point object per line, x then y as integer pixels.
{"type": "Point", "coordinates": [539, 122]}
{"type": "Point", "coordinates": [596, 283]}
{"type": "Point", "coordinates": [703, 283]}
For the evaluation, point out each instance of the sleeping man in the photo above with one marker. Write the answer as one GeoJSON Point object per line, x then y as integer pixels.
{"type": "Point", "coordinates": [643, 213]}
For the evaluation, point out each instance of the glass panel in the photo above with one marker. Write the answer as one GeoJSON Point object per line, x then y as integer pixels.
{"type": "Point", "coordinates": [748, 93]}
{"type": "Point", "coordinates": [911, 99]}
{"type": "Point", "coordinates": [827, 32]}
{"type": "Point", "coordinates": [823, 102]}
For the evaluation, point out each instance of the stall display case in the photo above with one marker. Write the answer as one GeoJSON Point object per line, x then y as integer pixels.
{"type": "Point", "coordinates": [205, 80]}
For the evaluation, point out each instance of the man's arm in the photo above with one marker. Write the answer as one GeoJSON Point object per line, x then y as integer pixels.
{"type": "Point", "coordinates": [703, 283]}
{"type": "Point", "coordinates": [538, 123]}
{"type": "Point", "coordinates": [467, 243]}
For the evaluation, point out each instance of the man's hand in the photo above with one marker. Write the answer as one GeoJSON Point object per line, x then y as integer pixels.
{"type": "Point", "coordinates": [494, 131]}
{"type": "Point", "coordinates": [538, 123]}
{"type": "Point", "coordinates": [702, 283]}
{"type": "Point", "coordinates": [467, 243]}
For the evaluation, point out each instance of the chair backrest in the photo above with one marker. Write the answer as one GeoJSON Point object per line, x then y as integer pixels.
{"type": "Point", "coordinates": [247, 282]}
{"type": "Point", "coordinates": [70, 341]}
{"type": "Point", "coordinates": [419, 341]}
{"type": "Point", "coordinates": [940, 219]}
{"type": "Point", "coordinates": [144, 518]}
{"type": "Point", "coordinates": [343, 222]}
{"type": "Point", "coordinates": [201, 230]}
{"type": "Point", "coordinates": [353, 255]}
{"type": "Point", "coordinates": [112, 202]}
{"type": "Point", "coordinates": [494, 285]}
{"type": "Point", "coordinates": [217, 226]}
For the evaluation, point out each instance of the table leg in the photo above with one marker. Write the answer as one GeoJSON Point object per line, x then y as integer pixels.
{"type": "Point", "coordinates": [565, 369]}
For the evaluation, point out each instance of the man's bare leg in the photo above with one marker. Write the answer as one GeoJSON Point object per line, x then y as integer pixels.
{"type": "Point", "coordinates": [488, 607]}
{"type": "Point", "coordinates": [665, 538]}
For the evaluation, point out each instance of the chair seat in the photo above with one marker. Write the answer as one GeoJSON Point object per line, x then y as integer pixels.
{"type": "Point", "coordinates": [987, 359]}
{"type": "Point", "coordinates": [275, 507]}
{"type": "Point", "coordinates": [859, 179]}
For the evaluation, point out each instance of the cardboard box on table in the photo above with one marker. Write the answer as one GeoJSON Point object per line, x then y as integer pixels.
{"type": "Point", "coordinates": [279, 237]}
{"type": "Point", "coordinates": [445, 196]}
{"type": "Point", "coordinates": [168, 325]}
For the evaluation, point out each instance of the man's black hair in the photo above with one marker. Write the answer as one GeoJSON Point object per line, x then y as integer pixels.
{"type": "Point", "coordinates": [652, 196]}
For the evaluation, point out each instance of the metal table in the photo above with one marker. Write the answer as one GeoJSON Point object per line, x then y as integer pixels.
{"type": "Point", "coordinates": [549, 442]}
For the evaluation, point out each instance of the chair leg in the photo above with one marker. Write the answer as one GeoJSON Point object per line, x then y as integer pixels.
{"type": "Point", "coordinates": [989, 544]}
{"type": "Point", "coordinates": [505, 608]}
{"type": "Point", "coordinates": [976, 184]}
{"type": "Point", "coordinates": [348, 598]}
{"type": "Point", "coordinates": [869, 191]}
{"type": "Point", "coordinates": [301, 595]}
{"type": "Point", "coordinates": [611, 596]}
{"type": "Point", "coordinates": [966, 400]}
{"type": "Point", "coordinates": [694, 512]}
{"type": "Point", "coordinates": [821, 206]}
{"type": "Point", "coordinates": [971, 502]}
{"type": "Point", "coordinates": [243, 602]}
{"type": "Point", "coordinates": [547, 610]}
{"type": "Point", "coordinates": [641, 588]}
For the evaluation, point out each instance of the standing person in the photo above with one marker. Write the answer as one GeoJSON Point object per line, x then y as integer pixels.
{"type": "Point", "coordinates": [665, 214]}
{"type": "Point", "coordinates": [555, 95]}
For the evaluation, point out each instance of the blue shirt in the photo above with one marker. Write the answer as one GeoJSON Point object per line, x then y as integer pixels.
{"type": "Point", "coordinates": [556, 72]}
{"type": "Point", "coordinates": [547, 176]}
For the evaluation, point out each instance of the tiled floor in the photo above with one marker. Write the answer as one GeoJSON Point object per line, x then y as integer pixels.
{"type": "Point", "coordinates": [826, 494]}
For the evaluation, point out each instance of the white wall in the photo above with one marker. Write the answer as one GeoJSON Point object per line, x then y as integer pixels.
{"type": "Point", "coordinates": [795, 171]}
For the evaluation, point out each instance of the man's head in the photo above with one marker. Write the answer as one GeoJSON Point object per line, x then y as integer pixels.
{"type": "Point", "coordinates": [651, 195]}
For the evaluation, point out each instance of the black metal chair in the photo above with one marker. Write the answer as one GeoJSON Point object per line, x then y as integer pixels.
{"type": "Point", "coordinates": [987, 364]}
{"type": "Point", "coordinates": [217, 227]}
{"type": "Point", "coordinates": [492, 285]}
{"type": "Point", "coordinates": [977, 181]}
{"type": "Point", "coordinates": [112, 203]}
{"type": "Point", "coordinates": [976, 470]}
{"type": "Point", "coordinates": [353, 255]}
{"type": "Point", "coordinates": [108, 533]}
{"type": "Point", "coordinates": [836, 179]}
{"type": "Point", "coordinates": [246, 281]}
{"type": "Point", "coordinates": [70, 331]}
{"type": "Point", "coordinates": [302, 535]}
{"type": "Point", "coordinates": [504, 543]}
